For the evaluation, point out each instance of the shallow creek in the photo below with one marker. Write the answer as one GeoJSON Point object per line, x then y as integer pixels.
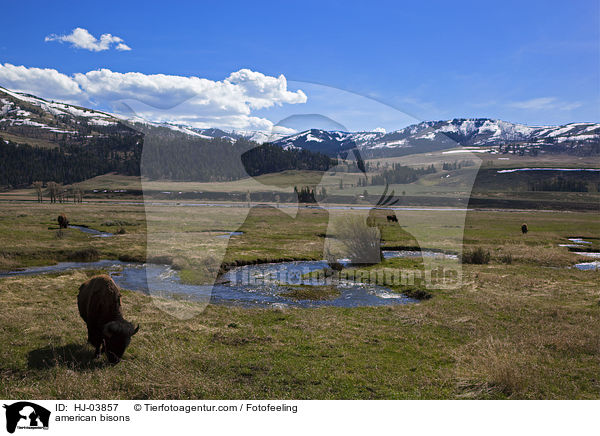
{"type": "Point", "coordinates": [262, 285]}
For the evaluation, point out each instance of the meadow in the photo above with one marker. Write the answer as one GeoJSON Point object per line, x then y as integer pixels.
{"type": "Point", "coordinates": [523, 326]}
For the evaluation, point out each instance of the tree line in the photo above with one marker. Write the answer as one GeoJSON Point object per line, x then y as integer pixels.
{"type": "Point", "coordinates": [563, 184]}
{"type": "Point", "coordinates": [400, 174]}
{"type": "Point", "coordinates": [156, 156]}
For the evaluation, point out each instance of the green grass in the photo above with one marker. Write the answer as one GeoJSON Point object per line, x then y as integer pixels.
{"type": "Point", "coordinates": [488, 189]}
{"type": "Point", "coordinates": [528, 329]}
{"type": "Point", "coordinates": [28, 235]}
{"type": "Point", "coordinates": [308, 292]}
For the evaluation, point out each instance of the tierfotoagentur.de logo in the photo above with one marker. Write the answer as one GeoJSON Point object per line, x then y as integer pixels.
{"type": "Point", "coordinates": [25, 415]}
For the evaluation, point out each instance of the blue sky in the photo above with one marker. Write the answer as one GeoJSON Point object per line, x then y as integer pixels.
{"type": "Point", "coordinates": [533, 62]}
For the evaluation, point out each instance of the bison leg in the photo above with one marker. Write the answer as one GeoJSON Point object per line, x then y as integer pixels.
{"type": "Point", "coordinates": [100, 348]}
{"type": "Point", "coordinates": [97, 352]}
{"type": "Point", "coordinates": [95, 339]}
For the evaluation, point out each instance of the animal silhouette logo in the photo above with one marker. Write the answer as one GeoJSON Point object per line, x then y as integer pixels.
{"type": "Point", "coordinates": [188, 237]}
{"type": "Point", "coordinates": [26, 415]}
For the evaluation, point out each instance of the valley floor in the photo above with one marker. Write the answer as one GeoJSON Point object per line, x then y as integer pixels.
{"type": "Point", "coordinates": [523, 326]}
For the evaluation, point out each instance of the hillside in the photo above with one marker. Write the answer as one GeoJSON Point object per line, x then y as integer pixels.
{"type": "Point", "coordinates": [496, 136]}
{"type": "Point", "coordinates": [51, 141]}
{"type": "Point", "coordinates": [48, 141]}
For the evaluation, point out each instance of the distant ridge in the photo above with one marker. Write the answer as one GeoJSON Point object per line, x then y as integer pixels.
{"type": "Point", "coordinates": [39, 121]}
{"type": "Point", "coordinates": [581, 138]}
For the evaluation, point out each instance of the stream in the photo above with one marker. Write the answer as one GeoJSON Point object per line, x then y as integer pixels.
{"type": "Point", "coordinates": [93, 232]}
{"type": "Point", "coordinates": [581, 243]}
{"type": "Point", "coordinates": [262, 285]}
{"type": "Point", "coordinates": [251, 285]}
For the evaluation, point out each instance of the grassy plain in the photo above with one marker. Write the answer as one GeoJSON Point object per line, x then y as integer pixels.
{"type": "Point", "coordinates": [524, 329]}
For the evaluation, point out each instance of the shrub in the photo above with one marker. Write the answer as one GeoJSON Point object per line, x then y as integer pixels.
{"type": "Point", "coordinates": [477, 256]}
{"type": "Point", "coordinates": [84, 255]}
{"type": "Point", "coordinates": [362, 242]}
{"type": "Point", "coordinates": [417, 294]}
{"type": "Point", "coordinates": [120, 223]}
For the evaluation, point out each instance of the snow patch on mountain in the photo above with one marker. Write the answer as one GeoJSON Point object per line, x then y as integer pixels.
{"type": "Point", "coordinates": [432, 135]}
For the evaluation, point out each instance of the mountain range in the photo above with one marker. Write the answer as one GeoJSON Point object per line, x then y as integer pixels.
{"type": "Point", "coordinates": [484, 133]}
{"type": "Point", "coordinates": [28, 119]}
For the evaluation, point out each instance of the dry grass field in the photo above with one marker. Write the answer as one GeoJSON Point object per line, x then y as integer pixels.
{"type": "Point", "coordinates": [520, 328]}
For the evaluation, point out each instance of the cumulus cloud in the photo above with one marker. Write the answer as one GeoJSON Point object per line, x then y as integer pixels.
{"type": "Point", "coordinates": [545, 103]}
{"type": "Point", "coordinates": [42, 82]}
{"type": "Point", "coordinates": [283, 131]}
{"type": "Point", "coordinates": [192, 100]}
{"type": "Point", "coordinates": [81, 38]}
{"type": "Point", "coordinates": [260, 89]}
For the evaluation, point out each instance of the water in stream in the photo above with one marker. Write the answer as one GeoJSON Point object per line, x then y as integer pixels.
{"type": "Point", "coordinates": [93, 232]}
{"type": "Point", "coordinates": [255, 285]}
{"type": "Point", "coordinates": [251, 285]}
{"type": "Point", "coordinates": [585, 266]}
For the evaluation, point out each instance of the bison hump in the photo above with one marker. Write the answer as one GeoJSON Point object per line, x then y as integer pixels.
{"type": "Point", "coordinates": [99, 300]}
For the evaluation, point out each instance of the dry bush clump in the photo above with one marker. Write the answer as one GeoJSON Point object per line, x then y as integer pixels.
{"type": "Point", "coordinates": [362, 243]}
{"type": "Point", "coordinates": [478, 256]}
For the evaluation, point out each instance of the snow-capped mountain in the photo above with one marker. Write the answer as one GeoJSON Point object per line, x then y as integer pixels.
{"type": "Point", "coordinates": [320, 141]}
{"type": "Point", "coordinates": [234, 135]}
{"type": "Point", "coordinates": [439, 135]}
{"type": "Point", "coordinates": [27, 119]}
{"type": "Point", "coordinates": [12, 102]}
{"type": "Point", "coordinates": [32, 120]}
{"type": "Point", "coordinates": [484, 131]}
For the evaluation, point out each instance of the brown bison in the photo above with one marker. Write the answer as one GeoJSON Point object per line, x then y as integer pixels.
{"type": "Point", "coordinates": [524, 228]}
{"type": "Point", "coordinates": [63, 221]}
{"type": "Point", "coordinates": [99, 303]}
{"type": "Point", "coordinates": [392, 218]}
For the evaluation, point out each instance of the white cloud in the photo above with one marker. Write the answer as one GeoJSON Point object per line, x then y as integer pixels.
{"type": "Point", "coordinates": [545, 103]}
{"type": "Point", "coordinates": [81, 38]}
{"type": "Point", "coordinates": [192, 95]}
{"type": "Point", "coordinates": [283, 131]}
{"type": "Point", "coordinates": [42, 82]}
{"type": "Point", "coordinates": [190, 100]}
{"type": "Point", "coordinates": [123, 47]}
{"type": "Point", "coordinates": [261, 89]}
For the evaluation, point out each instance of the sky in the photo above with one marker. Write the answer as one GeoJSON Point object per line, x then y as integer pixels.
{"type": "Point", "coordinates": [364, 65]}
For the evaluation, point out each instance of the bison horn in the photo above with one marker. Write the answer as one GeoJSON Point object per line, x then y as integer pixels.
{"type": "Point", "coordinates": [136, 330]}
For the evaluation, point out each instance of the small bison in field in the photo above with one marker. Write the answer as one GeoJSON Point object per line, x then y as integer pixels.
{"type": "Point", "coordinates": [99, 303]}
{"type": "Point", "coordinates": [63, 221]}
{"type": "Point", "coordinates": [524, 228]}
{"type": "Point", "coordinates": [392, 218]}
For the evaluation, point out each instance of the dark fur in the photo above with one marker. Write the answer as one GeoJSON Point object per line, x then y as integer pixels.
{"type": "Point", "coordinates": [524, 228]}
{"type": "Point", "coordinates": [99, 303]}
{"type": "Point", "coordinates": [392, 218]}
{"type": "Point", "coordinates": [63, 221]}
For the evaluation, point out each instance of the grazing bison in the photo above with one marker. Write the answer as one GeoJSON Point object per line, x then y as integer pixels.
{"type": "Point", "coordinates": [99, 303]}
{"type": "Point", "coordinates": [524, 228]}
{"type": "Point", "coordinates": [63, 221]}
{"type": "Point", "coordinates": [392, 218]}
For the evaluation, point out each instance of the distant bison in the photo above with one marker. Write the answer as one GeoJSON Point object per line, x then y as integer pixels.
{"type": "Point", "coordinates": [392, 218]}
{"type": "Point", "coordinates": [63, 221]}
{"type": "Point", "coordinates": [524, 228]}
{"type": "Point", "coordinates": [99, 303]}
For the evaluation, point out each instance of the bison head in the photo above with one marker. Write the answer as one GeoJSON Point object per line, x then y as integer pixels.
{"type": "Point", "coordinates": [116, 336]}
